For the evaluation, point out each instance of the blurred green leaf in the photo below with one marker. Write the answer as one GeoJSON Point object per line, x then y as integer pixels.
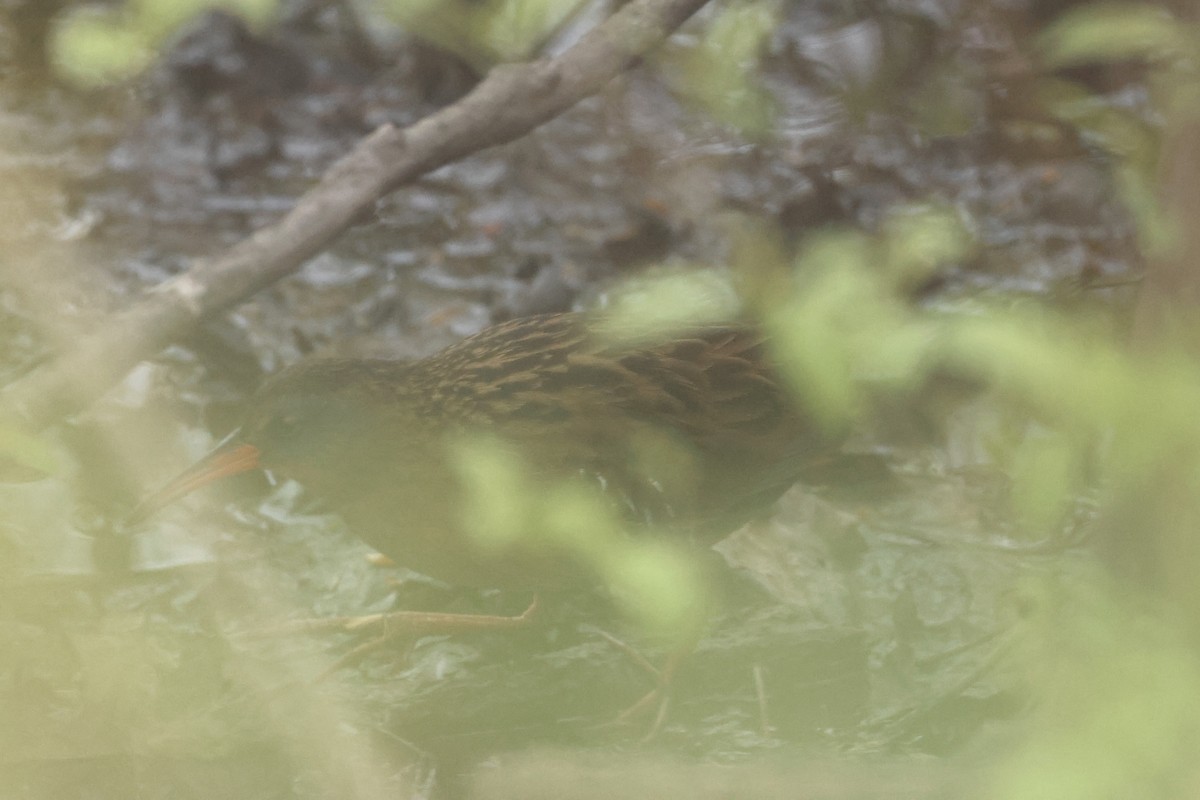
{"type": "Point", "coordinates": [499, 492]}
{"type": "Point", "coordinates": [1045, 476]}
{"type": "Point", "coordinates": [656, 584]}
{"type": "Point", "coordinates": [1158, 232]}
{"type": "Point", "coordinates": [93, 46]}
{"type": "Point", "coordinates": [654, 306]}
{"type": "Point", "coordinates": [760, 262]}
{"type": "Point", "coordinates": [659, 585]}
{"type": "Point", "coordinates": [848, 324]}
{"type": "Point", "coordinates": [1117, 699]}
{"type": "Point", "coordinates": [810, 328]}
{"type": "Point", "coordinates": [720, 71]}
{"type": "Point", "coordinates": [24, 456]}
{"type": "Point", "coordinates": [483, 32]}
{"type": "Point", "coordinates": [160, 19]}
{"type": "Point", "coordinates": [920, 240]}
{"type": "Point", "coordinates": [1115, 31]}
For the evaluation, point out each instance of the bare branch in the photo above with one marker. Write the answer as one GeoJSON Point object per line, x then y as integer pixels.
{"type": "Point", "coordinates": [508, 103]}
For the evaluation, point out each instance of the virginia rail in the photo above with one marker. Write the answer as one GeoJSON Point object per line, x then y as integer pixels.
{"type": "Point", "coordinates": [691, 433]}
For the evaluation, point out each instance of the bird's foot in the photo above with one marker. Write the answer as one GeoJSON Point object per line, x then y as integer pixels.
{"type": "Point", "coordinates": [657, 701]}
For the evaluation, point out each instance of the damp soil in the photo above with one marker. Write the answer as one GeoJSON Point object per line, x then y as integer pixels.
{"type": "Point", "coordinates": [163, 660]}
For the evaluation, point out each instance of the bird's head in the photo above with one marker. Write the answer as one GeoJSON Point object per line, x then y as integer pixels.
{"type": "Point", "coordinates": [326, 423]}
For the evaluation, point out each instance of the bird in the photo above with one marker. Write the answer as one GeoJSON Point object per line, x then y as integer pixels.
{"type": "Point", "coordinates": [688, 434]}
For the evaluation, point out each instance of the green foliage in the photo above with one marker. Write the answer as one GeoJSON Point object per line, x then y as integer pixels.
{"type": "Point", "coordinates": [24, 456]}
{"type": "Point", "coordinates": [656, 583]}
{"type": "Point", "coordinates": [669, 300]}
{"type": "Point", "coordinates": [1133, 143]}
{"type": "Point", "coordinates": [1115, 681]}
{"type": "Point", "coordinates": [500, 501]}
{"type": "Point", "coordinates": [1118, 696]}
{"type": "Point", "coordinates": [1045, 475]}
{"type": "Point", "coordinates": [94, 46]}
{"type": "Point", "coordinates": [845, 327]}
{"type": "Point", "coordinates": [1106, 32]}
{"type": "Point", "coordinates": [921, 240]}
{"type": "Point", "coordinates": [98, 45]}
{"type": "Point", "coordinates": [1100, 32]}
{"type": "Point", "coordinates": [483, 32]}
{"type": "Point", "coordinates": [1086, 387]}
{"type": "Point", "coordinates": [719, 72]}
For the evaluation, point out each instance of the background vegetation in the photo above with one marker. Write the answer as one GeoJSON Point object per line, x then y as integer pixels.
{"type": "Point", "coordinates": [1082, 391]}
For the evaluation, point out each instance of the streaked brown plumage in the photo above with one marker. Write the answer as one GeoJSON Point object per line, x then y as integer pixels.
{"type": "Point", "coordinates": [692, 434]}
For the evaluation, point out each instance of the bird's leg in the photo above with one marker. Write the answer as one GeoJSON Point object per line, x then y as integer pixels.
{"type": "Point", "coordinates": [658, 698]}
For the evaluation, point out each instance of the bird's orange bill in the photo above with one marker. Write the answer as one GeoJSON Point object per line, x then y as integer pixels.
{"type": "Point", "coordinates": [226, 460]}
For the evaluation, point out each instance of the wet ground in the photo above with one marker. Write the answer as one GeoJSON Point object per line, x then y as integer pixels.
{"type": "Point", "coordinates": [157, 662]}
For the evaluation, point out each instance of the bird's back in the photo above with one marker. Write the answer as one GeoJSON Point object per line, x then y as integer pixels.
{"type": "Point", "coordinates": [692, 430]}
